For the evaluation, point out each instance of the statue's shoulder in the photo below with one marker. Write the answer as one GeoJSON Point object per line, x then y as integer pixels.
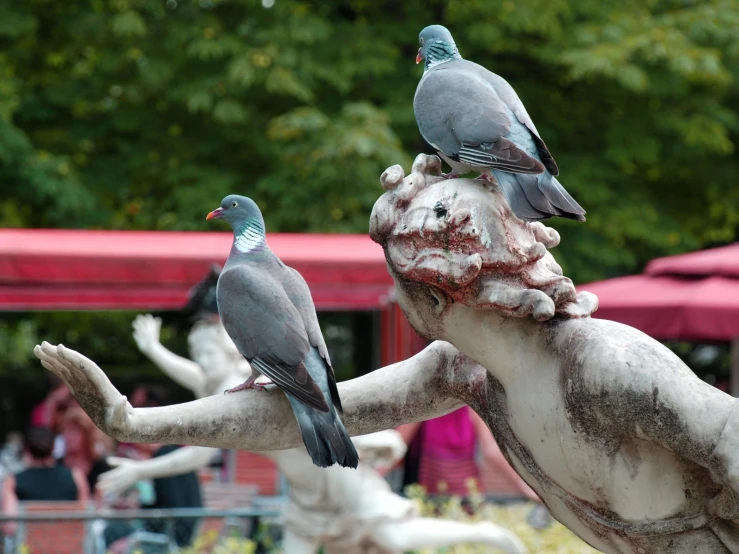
{"type": "Point", "coordinates": [605, 355]}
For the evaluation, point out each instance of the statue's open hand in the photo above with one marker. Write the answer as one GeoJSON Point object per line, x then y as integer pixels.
{"type": "Point", "coordinates": [107, 407]}
{"type": "Point", "coordinates": [117, 480]}
{"type": "Point", "coordinates": [146, 331]}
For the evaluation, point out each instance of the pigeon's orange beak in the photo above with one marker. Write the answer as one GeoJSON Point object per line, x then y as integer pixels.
{"type": "Point", "coordinates": [215, 214]}
{"type": "Point", "coordinates": [419, 56]}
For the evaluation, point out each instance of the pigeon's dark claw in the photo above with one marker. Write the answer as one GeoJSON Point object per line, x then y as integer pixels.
{"type": "Point", "coordinates": [450, 175]}
{"type": "Point", "coordinates": [250, 383]}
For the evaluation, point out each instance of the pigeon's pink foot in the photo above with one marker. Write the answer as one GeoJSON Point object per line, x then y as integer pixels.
{"type": "Point", "coordinates": [450, 175]}
{"type": "Point", "coordinates": [485, 177]}
{"type": "Point", "coordinates": [250, 383]}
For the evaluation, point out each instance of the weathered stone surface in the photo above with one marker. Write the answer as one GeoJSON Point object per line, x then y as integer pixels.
{"type": "Point", "coordinates": [625, 445]}
{"type": "Point", "coordinates": [614, 432]}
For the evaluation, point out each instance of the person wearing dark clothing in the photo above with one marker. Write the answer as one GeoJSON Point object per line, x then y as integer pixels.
{"type": "Point", "coordinates": [99, 467]}
{"type": "Point", "coordinates": [46, 483]}
{"type": "Point", "coordinates": [177, 491]}
{"type": "Point", "coordinates": [43, 479]}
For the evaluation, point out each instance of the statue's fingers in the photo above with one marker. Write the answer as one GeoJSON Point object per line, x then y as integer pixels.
{"type": "Point", "coordinates": [61, 373]}
{"type": "Point", "coordinates": [108, 483]}
{"type": "Point", "coordinates": [51, 361]}
{"type": "Point", "coordinates": [81, 364]}
{"type": "Point", "coordinates": [70, 359]}
{"type": "Point", "coordinates": [49, 349]}
{"type": "Point", "coordinates": [58, 355]}
{"type": "Point", "coordinates": [44, 354]}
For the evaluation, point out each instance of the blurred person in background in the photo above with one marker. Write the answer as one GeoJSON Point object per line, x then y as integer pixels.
{"type": "Point", "coordinates": [43, 479]}
{"type": "Point", "coordinates": [117, 534]}
{"type": "Point", "coordinates": [443, 456]}
{"type": "Point", "coordinates": [143, 396]}
{"type": "Point", "coordinates": [85, 446]}
{"type": "Point", "coordinates": [50, 411]}
{"type": "Point", "coordinates": [179, 491]}
{"type": "Point", "coordinates": [11, 454]}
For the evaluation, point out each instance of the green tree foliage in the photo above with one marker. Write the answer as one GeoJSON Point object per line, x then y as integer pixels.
{"type": "Point", "coordinates": [141, 114]}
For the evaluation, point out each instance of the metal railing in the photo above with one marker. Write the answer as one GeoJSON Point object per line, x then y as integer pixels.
{"type": "Point", "coordinates": [149, 531]}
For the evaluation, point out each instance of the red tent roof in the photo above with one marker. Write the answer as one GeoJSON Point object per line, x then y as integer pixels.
{"type": "Point", "coordinates": [44, 269]}
{"type": "Point", "coordinates": [671, 308]}
{"type": "Point", "coordinates": [714, 261]}
{"type": "Point", "coordinates": [692, 296]}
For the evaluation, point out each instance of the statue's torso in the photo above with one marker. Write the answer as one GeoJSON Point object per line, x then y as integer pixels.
{"type": "Point", "coordinates": [620, 495]}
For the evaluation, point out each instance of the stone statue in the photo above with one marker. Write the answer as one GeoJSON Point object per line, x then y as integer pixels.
{"type": "Point", "coordinates": [347, 511]}
{"type": "Point", "coordinates": [620, 440]}
{"type": "Point", "coordinates": [339, 509]}
{"type": "Point", "coordinates": [217, 366]}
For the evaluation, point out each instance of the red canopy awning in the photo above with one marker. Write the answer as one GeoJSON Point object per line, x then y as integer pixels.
{"type": "Point", "coordinates": [44, 269]}
{"type": "Point", "coordinates": [690, 297]}
{"type": "Point", "coordinates": [670, 307]}
{"type": "Point", "coordinates": [722, 261]}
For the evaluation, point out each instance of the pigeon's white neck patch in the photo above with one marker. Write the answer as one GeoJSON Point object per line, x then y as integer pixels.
{"type": "Point", "coordinates": [250, 236]}
{"type": "Point", "coordinates": [440, 52]}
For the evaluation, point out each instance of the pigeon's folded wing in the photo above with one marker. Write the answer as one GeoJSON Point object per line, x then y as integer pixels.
{"type": "Point", "coordinates": [299, 294]}
{"type": "Point", "coordinates": [268, 330]}
{"type": "Point", "coordinates": [509, 97]}
{"type": "Point", "coordinates": [460, 115]}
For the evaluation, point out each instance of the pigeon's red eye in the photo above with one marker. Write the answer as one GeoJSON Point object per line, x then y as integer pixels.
{"type": "Point", "coordinates": [234, 204]}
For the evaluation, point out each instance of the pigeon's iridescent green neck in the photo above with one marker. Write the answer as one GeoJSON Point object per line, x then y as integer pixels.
{"type": "Point", "coordinates": [440, 51]}
{"type": "Point", "coordinates": [250, 236]}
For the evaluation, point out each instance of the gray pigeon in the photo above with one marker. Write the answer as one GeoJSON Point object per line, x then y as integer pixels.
{"type": "Point", "coordinates": [475, 121]}
{"type": "Point", "coordinates": [267, 310]}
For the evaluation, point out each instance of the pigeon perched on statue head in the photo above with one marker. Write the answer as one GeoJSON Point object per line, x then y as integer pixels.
{"type": "Point", "coordinates": [267, 310]}
{"type": "Point", "coordinates": [475, 121]}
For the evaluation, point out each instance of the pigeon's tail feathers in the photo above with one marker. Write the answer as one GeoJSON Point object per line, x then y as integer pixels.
{"type": "Point", "coordinates": [325, 437]}
{"type": "Point", "coordinates": [538, 197]}
{"type": "Point", "coordinates": [518, 200]}
{"type": "Point", "coordinates": [334, 390]}
{"type": "Point", "coordinates": [560, 198]}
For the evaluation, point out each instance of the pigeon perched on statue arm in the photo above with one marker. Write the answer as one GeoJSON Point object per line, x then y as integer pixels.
{"type": "Point", "coordinates": [269, 332]}
{"type": "Point", "coordinates": [267, 310]}
{"type": "Point", "coordinates": [308, 313]}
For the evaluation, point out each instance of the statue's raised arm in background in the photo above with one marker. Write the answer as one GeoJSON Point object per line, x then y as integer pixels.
{"type": "Point", "coordinates": [216, 366]}
{"type": "Point", "coordinates": [622, 442]}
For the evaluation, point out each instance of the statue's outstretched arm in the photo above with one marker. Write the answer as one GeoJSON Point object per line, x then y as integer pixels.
{"type": "Point", "coordinates": [182, 371]}
{"type": "Point", "coordinates": [127, 472]}
{"type": "Point", "coordinates": [430, 384]}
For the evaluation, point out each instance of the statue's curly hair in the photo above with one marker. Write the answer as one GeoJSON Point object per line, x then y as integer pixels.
{"type": "Point", "coordinates": [479, 255]}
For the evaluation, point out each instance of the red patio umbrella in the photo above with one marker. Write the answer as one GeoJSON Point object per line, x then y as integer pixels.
{"type": "Point", "coordinates": [722, 261]}
{"type": "Point", "coordinates": [687, 297]}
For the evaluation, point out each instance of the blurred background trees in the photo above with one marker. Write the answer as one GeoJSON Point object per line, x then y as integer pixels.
{"type": "Point", "coordinates": [141, 114]}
